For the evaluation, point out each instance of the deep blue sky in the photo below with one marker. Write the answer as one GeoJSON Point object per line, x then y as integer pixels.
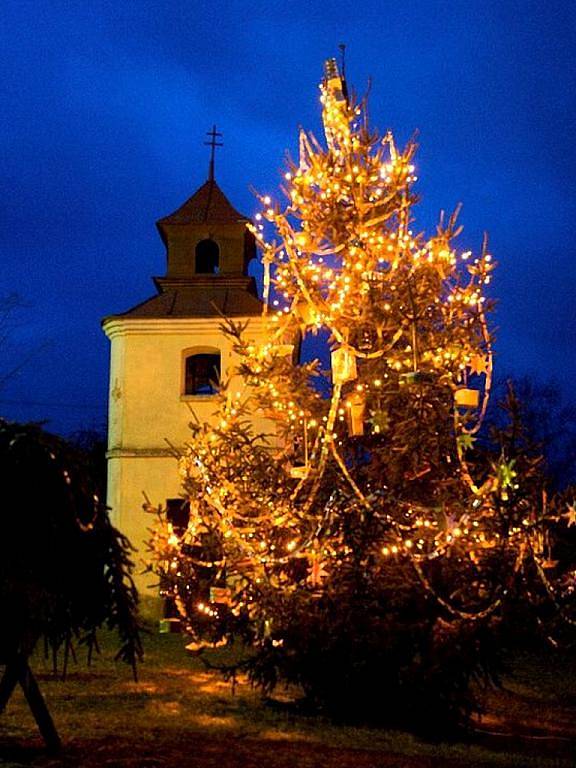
{"type": "Point", "coordinates": [104, 110]}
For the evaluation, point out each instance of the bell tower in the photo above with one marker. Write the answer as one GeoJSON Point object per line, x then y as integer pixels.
{"type": "Point", "coordinates": [169, 353]}
{"type": "Point", "coordinates": [206, 235]}
{"type": "Point", "coordinates": [208, 250]}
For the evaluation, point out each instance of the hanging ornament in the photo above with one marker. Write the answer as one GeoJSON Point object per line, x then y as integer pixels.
{"type": "Point", "coordinates": [317, 573]}
{"type": "Point", "coordinates": [343, 362]}
{"type": "Point", "coordinates": [478, 364]}
{"type": "Point", "coordinates": [465, 442]}
{"type": "Point", "coordinates": [299, 471]}
{"type": "Point", "coordinates": [570, 515]}
{"type": "Point", "coordinates": [506, 476]}
{"type": "Point", "coordinates": [465, 397]}
{"type": "Point", "coordinates": [355, 409]}
{"type": "Point", "coordinates": [380, 421]}
{"type": "Point", "coordinates": [364, 338]}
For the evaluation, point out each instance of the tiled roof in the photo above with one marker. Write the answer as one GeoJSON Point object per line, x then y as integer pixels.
{"type": "Point", "coordinates": [208, 205]}
{"type": "Point", "coordinates": [198, 301]}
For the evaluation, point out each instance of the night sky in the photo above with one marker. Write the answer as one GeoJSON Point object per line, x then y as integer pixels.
{"type": "Point", "coordinates": [105, 109]}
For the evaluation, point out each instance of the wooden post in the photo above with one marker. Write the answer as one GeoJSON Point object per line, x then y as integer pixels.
{"type": "Point", "coordinates": [7, 684]}
{"type": "Point", "coordinates": [18, 671]}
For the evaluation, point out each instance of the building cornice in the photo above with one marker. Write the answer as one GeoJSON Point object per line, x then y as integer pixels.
{"type": "Point", "coordinates": [140, 453]}
{"type": "Point", "coordinates": [169, 326]}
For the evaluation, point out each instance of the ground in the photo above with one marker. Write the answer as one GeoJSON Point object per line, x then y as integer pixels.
{"type": "Point", "coordinates": [181, 714]}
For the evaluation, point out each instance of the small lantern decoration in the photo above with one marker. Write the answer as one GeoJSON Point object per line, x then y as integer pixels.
{"type": "Point", "coordinates": [380, 421]}
{"type": "Point", "coordinates": [221, 595]}
{"type": "Point", "coordinates": [355, 409]}
{"type": "Point", "coordinates": [467, 398]}
{"type": "Point", "coordinates": [343, 362]}
{"type": "Point", "coordinates": [300, 471]}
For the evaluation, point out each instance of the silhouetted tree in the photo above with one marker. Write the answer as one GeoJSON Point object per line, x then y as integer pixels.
{"type": "Point", "coordinates": [548, 423]}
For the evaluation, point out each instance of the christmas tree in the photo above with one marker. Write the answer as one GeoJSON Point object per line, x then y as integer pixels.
{"type": "Point", "coordinates": [366, 544]}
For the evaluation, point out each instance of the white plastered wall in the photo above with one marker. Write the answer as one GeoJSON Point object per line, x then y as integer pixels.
{"type": "Point", "coordinates": [147, 409]}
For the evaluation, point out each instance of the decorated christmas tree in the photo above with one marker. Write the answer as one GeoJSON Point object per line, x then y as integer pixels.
{"type": "Point", "coordinates": [368, 543]}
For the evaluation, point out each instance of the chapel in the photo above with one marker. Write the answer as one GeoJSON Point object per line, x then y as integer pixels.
{"type": "Point", "coordinates": [168, 354]}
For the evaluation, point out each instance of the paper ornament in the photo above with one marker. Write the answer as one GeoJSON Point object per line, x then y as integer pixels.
{"type": "Point", "coordinates": [300, 472]}
{"type": "Point", "coordinates": [343, 362]}
{"type": "Point", "coordinates": [355, 409]}
{"type": "Point", "coordinates": [467, 398]}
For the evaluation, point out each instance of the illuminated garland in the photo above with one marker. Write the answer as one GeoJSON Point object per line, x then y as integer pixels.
{"type": "Point", "coordinates": [412, 366]}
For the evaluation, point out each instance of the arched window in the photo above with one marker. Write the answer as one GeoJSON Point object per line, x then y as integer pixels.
{"type": "Point", "coordinates": [207, 257]}
{"type": "Point", "coordinates": [201, 373]}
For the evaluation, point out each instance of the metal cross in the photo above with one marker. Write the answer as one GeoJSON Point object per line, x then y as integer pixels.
{"type": "Point", "coordinates": [213, 143]}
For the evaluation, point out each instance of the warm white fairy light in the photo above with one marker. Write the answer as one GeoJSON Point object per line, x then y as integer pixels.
{"type": "Point", "coordinates": [406, 319]}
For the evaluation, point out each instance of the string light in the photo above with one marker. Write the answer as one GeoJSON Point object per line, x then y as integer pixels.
{"type": "Point", "coordinates": [406, 318]}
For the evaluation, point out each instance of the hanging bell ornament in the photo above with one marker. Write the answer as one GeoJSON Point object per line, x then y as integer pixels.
{"type": "Point", "coordinates": [343, 362]}
{"type": "Point", "coordinates": [467, 398]}
{"type": "Point", "coordinates": [355, 410]}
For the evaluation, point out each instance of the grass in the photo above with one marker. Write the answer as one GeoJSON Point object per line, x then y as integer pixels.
{"type": "Point", "coordinates": [181, 714]}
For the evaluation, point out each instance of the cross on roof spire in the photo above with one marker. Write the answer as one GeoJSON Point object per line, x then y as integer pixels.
{"type": "Point", "coordinates": [213, 143]}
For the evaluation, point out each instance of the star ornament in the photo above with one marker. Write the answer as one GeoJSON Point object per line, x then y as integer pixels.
{"type": "Point", "coordinates": [570, 515]}
{"type": "Point", "coordinates": [317, 573]}
{"type": "Point", "coordinates": [380, 421]}
{"type": "Point", "coordinates": [465, 441]}
{"type": "Point", "coordinates": [478, 364]}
